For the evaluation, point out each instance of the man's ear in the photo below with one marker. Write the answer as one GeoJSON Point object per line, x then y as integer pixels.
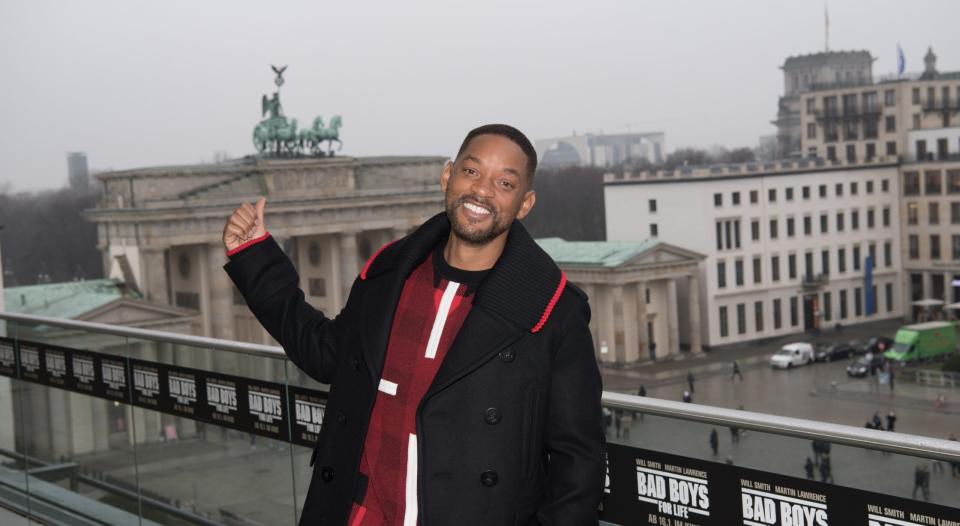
{"type": "Point", "coordinates": [529, 199]}
{"type": "Point", "coordinates": [445, 175]}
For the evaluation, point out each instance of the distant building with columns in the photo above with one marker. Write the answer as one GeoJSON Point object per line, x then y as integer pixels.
{"type": "Point", "coordinates": [644, 295]}
{"type": "Point", "coordinates": [160, 228]}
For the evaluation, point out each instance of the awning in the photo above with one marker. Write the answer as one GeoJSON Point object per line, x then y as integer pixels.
{"type": "Point", "coordinates": [953, 306]}
{"type": "Point", "coordinates": [928, 302]}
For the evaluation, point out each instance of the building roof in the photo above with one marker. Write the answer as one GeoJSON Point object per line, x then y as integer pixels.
{"type": "Point", "coordinates": [594, 253]}
{"type": "Point", "coordinates": [827, 57]}
{"type": "Point", "coordinates": [68, 299]}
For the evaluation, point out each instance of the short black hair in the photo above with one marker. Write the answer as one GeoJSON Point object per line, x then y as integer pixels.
{"type": "Point", "coordinates": [511, 133]}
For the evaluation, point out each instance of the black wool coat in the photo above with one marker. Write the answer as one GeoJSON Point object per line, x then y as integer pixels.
{"type": "Point", "coordinates": [510, 431]}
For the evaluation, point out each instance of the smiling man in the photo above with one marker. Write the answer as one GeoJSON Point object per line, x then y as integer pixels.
{"type": "Point", "coordinates": [463, 384]}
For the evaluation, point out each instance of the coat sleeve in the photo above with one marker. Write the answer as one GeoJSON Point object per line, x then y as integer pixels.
{"type": "Point", "coordinates": [269, 284]}
{"type": "Point", "coordinates": [574, 436]}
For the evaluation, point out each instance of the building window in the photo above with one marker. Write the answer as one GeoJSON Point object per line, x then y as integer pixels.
{"type": "Point", "coordinates": [933, 213]}
{"type": "Point", "coordinates": [758, 316]}
{"type": "Point", "coordinates": [869, 187]}
{"type": "Point", "coordinates": [723, 322]}
{"type": "Point", "coordinates": [790, 227]}
{"type": "Point", "coordinates": [757, 276]}
{"type": "Point", "coordinates": [956, 246]}
{"type": "Point", "coordinates": [792, 266]}
{"type": "Point", "coordinates": [870, 218]}
{"type": "Point", "coordinates": [318, 287]}
{"type": "Point", "coordinates": [915, 96]}
{"type": "Point", "coordinates": [777, 322]}
{"type": "Point", "coordinates": [856, 258]}
{"type": "Point", "coordinates": [953, 181]}
{"type": "Point", "coordinates": [887, 254]}
{"type": "Point", "coordinates": [775, 268]}
{"type": "Point", "coordinates": [851, 153]}
{"type": "Point", "coordinates": [935, 246]}
{"type": "Point", "coordinates": [889, 98]}
{"type": "Point", "coordinates": [886, 216]}
{"type": "Point", "coordinates": [789, 192]}
{"type": "Point", "coordinates": [840, 221]}
{"type": "Point", "coordinates": [794, 312]}
{"type": "Point", "coordinates": [808, 264]}
{"type": "Point", "coordinates": [741, 318]}
{"type": "Point", "coordinates": [916, 121]}
{"type": "Point", "coordinates": [735, 198]}
{"type": "Point", "coordinates": [872, 254]}
{"type": "Point", "coordinates": [838, 189]}
{"type": "Point", "coordinates": [653, 230]}
{"type": "Point", "coordinates": [832, 153]}
{"type": "Point", "coordinates": [841, 260]}
{"type": "Point", "coordinates": [717, 199]}
{"type": "Point", "coordinates": [890, 123]}
{"type": "Point", "coordinates": [885, 185]}
{"type": "Point", "coordinates": [773, 229]}
{"type": "Point", "coordinates": [954, 212]}
{"type": "Point", "coordinates": [891, 148]}
{"type": "Point", "coordinates": [807, 225]}
{"type": "Point", "coordinates": [805, 192]}
{"type": "Point", "coordinates": [825, 307]}
{"type": "Point", "coordinates": [652, 203]}
{"type": "Point", "coordinates": [911, 183]}
{"type": "Point", "coordinates": [825, 261]}
{"type": "Point", "coordinates": [888, 293]}
{"type": "Point", "coordinates": [913, 213]}
{"type": "Point", "coordinates": [857, 301]}
{"type": "Point", "coordinates": [811, 130]}
{"type": "Point", "coordinates": [772, 195]}
{"type": "Point", "coordinates": [854, 219]}
{"type": "Point", "coordinates": [754, 197]}
{"type": "Point", "coordinates": [871, 151]}
{"type": "Point", "coordinates": [738, 272]}
{"type": "Point", "coordinates": [853, 188]}
{"type": "Point", "coordinates": [843, 304]}
{"type": "Point", "coordinates": [824, 220]}
{"type": "Point", "coordinates": [823, 191]}
{"type": "Point", "coordinates": [932, 184]}
{"type": "Point", "coordinates": [721, 274]}
{"type": "Point", "coordinates": [913, 246]}
{"type": "Point", "coordinates": [811, 105]}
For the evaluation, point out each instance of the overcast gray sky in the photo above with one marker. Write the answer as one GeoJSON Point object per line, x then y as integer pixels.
{"type": "Point", "coordinates": [141, 83]}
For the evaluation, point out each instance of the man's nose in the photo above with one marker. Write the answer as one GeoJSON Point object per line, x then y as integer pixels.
{"type": "Point", "coordinates": [483, 186]}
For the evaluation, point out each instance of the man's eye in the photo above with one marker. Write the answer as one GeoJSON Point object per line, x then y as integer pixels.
{"type": "Point", "coordinates": [506, 184]}
{"type": "Point", "coordinates": [469, 171]}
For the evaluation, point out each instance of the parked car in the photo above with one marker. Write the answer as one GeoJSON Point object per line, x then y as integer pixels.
{"type": "Point", "coordinates": [833, 351]}
{"type": "Point", "coordinates": [873, 345]}
{"type": "Point", "coordinates": [791, 355]}
{"type": "Point", "coordinates": [860, 367]}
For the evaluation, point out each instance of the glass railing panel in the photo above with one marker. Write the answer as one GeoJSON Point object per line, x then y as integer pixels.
{"type": "Point", "coordinates": [665, 469]}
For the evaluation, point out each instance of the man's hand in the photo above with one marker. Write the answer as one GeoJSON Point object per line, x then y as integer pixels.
{"type": "Point", "coordinates": [245, 224]}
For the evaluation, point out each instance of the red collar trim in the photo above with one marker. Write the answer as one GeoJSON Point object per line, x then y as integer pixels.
{"type": "Point", "coordinates": [366, 267]}
{"type": "Point", "coordinates": [553, 302]}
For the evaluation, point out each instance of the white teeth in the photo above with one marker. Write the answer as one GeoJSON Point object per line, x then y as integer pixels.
{"type": "Point", "coordinates": [476, 209]}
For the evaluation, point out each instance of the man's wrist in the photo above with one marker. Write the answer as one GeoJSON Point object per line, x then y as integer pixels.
{"type": "Point", "coordinates": [247, 243]}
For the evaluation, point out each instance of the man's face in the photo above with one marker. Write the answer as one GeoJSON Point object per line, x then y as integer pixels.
{"type": "Point", "coordinates": [486, 188]}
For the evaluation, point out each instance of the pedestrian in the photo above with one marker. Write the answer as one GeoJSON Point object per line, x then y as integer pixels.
{"type": "Point", "coordinates": [607, 420]}
{"type": "Point", "coordinates": [686, 397]}
{"type": "Point", "coordinates": [826, 473]}
{"type": "Point", "coordinates": [626, 421]}
{"type": "Point", "coordinates": [616, 421]}
{"type": "Point", "coordinates": [921, 481]}
{"type": "Point", "coordinates": [891, 420]}
{"type": "Point", "coordinates": [808, 468]}
{"type": "Point", "coordinates": [817, 451]}
{"type": "Point", "coordinates": [690, 380]}
{"type": "Point", "coordinates": [714, 441]}
{"type": "Point", "coordinates": [734, 434]}
{"type": "Point", "coordinates": [736, 372]}
{"type": "Point", "coordinates": [397, 385]}
{"type": "Point", "coordinates": [642, 391]}
{"type": "Point", "coordinates": [877, 422]}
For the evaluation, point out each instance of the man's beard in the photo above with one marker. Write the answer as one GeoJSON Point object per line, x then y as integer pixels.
{"type": "Point", "coordinates": [470, 233]}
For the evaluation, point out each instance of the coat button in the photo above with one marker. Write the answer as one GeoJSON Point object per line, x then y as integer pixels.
{"type": "Point", "coordinates": [507, 355]}
{"type": "Point", "coordinates": [326, 473]}
{"type": "Point", "coordinates": [492, 416]}
{"type": "Point", "coordinates": [488, 478]}
{"type": "Point", "coordinates": [341, 417]}
{"type": "Point", "coordinates": [355, 362]}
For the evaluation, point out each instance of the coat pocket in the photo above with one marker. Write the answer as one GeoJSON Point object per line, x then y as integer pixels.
{"type": "Point", "coordinates": [531, 431]}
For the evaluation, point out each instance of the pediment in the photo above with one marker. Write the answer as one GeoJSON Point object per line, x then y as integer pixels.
{"type": "Point", "coordinates": [132, 312]}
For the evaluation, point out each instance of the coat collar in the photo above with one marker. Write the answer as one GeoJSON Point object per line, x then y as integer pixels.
{"type": "Point", "coordinates": [522, 287]}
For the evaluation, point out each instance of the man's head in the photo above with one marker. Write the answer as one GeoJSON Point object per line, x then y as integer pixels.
{"type": "Point", "coordinates": [490, 183]}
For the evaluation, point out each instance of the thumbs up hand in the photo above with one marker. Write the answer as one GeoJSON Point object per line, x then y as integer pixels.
{"type": "Point", "coordinates": [245, 224]}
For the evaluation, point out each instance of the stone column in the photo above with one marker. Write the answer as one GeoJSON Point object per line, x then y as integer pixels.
{"type": "Point", "coordinates": [220, 302]}
{"type": "Point", "coordinates": [693, 285]}
{"type": "Point", "coordinates": [153, 275]}
{"type": "Point", "coordinates": [673, 327]}
{"type": "Point", "coordinates": [605, 322]}
{"type": "Point", "coordinates": [349, 262]}
{"type": "Point", "coordinates": [631, 344]}
{"type": "Point", "coordinates": [643, 335]}
{"type": "Point", "coordinates": [335, 290]}
{"type": "Point", "coordinates": [591, 293]}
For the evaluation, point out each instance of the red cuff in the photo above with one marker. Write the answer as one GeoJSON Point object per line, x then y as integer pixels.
{"type": "Point", "coordinates": [246, 244]}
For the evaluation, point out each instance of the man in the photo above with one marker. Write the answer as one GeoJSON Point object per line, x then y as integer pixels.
{"type": "Point", "coordinates": [464, 387]}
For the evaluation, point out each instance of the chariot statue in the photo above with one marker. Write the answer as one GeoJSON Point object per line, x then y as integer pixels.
{"type": "Point", "coordinates": [277, 136]}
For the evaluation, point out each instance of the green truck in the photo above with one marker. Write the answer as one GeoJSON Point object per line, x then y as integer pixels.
{"type": "Point", "coordinates": [923, 341]}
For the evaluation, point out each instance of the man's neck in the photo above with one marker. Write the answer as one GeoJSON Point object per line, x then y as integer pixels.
{"type": "Point", "coordinates": [465, 256]}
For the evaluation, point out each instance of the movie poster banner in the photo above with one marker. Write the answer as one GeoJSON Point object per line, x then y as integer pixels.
{"type": "Point", "coordinates": [112, 383]}
{"type": "Point", "coordinates": [83, 372]}
{"type": "Point", "coordinates": [8, 357]}
{"type": "Point", "coordinates": [265, 411]}
{"type": "Point", "coordinates": [183, 390]}
{"type": "Point", "coordinates": [221, 403]}
{"type": "Point", "coordinates": [56, 365]}
{"type": "Point", "coordinates": [147, 384]}
{"type": "Point", "coordinates": [307, 407]}
{"type": "Point", "coordinates": [647, 487]}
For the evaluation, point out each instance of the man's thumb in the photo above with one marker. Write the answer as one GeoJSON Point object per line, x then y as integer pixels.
{"type": "Point", "coordinates": [260, 204]}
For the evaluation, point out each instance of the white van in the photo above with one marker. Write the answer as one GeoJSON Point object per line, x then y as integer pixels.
{"type": "Point", "coordinates": [792, 354]}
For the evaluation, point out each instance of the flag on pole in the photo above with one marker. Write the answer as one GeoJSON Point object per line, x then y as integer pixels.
{"type": "Point", "coordinates": [826, 25]}
{"type": "Point", "coordinates": [901, 61]}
